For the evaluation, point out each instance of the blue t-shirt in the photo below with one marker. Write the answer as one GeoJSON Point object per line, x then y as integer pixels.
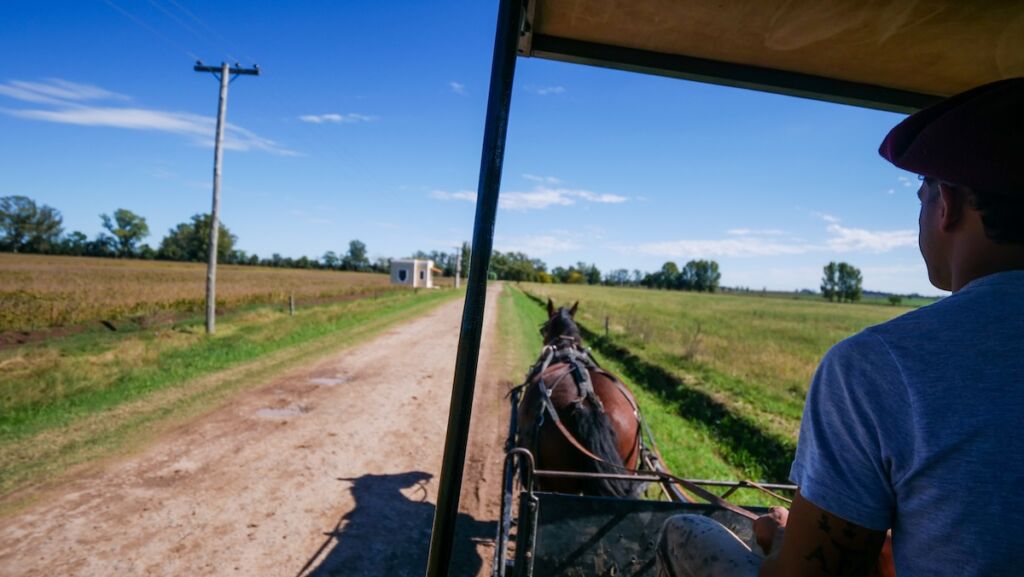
{"type": "Point", "coordinates": [917, 425]}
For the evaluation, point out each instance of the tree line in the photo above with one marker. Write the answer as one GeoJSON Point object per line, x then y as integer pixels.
{"type": "Point", "coordinates": [28, 227]}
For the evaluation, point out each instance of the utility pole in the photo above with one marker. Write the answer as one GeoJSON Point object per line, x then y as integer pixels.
{"type": "Point", "coordinates": [225, 74]}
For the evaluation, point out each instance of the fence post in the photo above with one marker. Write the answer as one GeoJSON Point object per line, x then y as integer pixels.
{"type": "Point", "coordinates": [606, 326]}
{"type": "Point", "coordinates": [291, 304]}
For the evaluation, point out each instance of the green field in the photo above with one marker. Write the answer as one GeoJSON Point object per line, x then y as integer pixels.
{"type": "Point", "coordinates": [79, 397]}
{"type": "Point", "coordinates": [721, 378]}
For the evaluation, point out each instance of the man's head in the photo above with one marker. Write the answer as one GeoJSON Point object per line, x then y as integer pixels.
{"type": "Point", "coordinates": [969, 150]}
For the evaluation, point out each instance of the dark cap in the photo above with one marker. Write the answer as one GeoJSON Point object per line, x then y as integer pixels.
{"type": "Point", "coordinates": [973, 139]}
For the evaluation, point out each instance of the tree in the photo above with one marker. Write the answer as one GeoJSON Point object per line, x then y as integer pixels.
{"type": "Point", "coordinates": [128, 229]}
{"type": "Point", "coordinates": [355, 258]}
{"type": "Point", "coordinates": [701, 275]}
{"type": "Point", "coordinates": [190, 241]}
{"type": "Point", "coordinates": [830, 282]}
{"type": "Point", "coordinates": [330, 260]}
{"type": "Point", "coordinates": [849, 282]}
{"type": "Point", "coordinates": [464, 256]}
{"type": "Point", "coordinates": [895, 300]}
{"type": "Point", "coordinates": [28, 227]}
{"type": "Point", "coordinates": [74, 244]}
{"type": "Point", "coordinates": [841, 282]}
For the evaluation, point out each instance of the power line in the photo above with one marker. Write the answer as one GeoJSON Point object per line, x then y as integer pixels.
{"type": "Point", "coordinates": [190, 29]}
{"type": "Point", "coordinates": [150, 29]}
{"type": "Point", "coordinates": [220, 37]}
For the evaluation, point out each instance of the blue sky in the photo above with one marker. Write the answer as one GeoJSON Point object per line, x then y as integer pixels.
{"type": "Point", "coordinates": [367, 121]}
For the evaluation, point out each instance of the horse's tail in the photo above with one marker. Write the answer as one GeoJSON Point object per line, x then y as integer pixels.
{"type": "Point", "coordinates": [591, 426]}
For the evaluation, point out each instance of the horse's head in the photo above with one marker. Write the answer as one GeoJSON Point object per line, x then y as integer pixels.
{"type": "Point", "coordinates": [561, 325]}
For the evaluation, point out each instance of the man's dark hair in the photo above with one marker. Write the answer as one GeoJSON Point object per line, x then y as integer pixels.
{"type": "Point", "coordinates": [1001, 214]}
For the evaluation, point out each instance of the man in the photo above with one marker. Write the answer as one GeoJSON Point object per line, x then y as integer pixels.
{"type": "Point", "coordinates": [914, 426]}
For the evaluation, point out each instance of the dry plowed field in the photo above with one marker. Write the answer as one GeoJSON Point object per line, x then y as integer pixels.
{"type": "Point", "coordinates": [327, 470]}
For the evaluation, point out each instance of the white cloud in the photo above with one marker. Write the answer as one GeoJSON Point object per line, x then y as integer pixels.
{"type": "Point", "coordinates": [753, 243]}
{"type": "Point", "coordinates": [538, 245]}
{"type": "Point", "coordinates": [544, 179]}
{"type": "Point", "coordinates": [862, 240]}
{"type": "Point", "coordinates": [65, 100]}
{"type": "Point", "coordinates": [547, 90]}
{"type": "Point", "coordinates": [540, 197]}
{"type": "Point", "coordinates": [730, 247]}
{"type": "Point", "coordinates": [467, 195]}
{"type": "Point", "coordinates": [755, 232]}
{"type": "Point", "coordinates": [457, 87]}
{"type": "Point", "coordinates": [55, 91]}
{"type": "Point", "coordinates": [905, 181]}
{"type": "Point", "coordinates": [334, 117]}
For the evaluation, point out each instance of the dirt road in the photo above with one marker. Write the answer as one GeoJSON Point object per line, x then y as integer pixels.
{"type": "Point", "coordinates": [330, 470]}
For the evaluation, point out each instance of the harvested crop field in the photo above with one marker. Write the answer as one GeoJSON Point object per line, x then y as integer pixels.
{"type": "Point", "coordinates": [40, 292]}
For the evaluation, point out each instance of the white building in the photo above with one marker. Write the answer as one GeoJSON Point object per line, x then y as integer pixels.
{"type": "Point", "coordinates": [413, 272]}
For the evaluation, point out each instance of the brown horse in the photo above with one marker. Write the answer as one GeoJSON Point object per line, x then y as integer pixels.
{"type": "Point", "coordinates": [575, 416]}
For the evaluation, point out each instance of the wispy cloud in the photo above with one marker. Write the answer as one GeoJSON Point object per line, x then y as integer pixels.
{"type": "Point", "coordinates": [755, 232]}
{"type": "Point", "coordinates": [547, 90]}
{"type": "Point", "coordinates": [467, 195]}
{"type": "Point", "coordinates": [728, 247]}
{"type": "Point", "coordinates": [752, 243]}
{"type": "Point", "coordinates": [457, 87]}
{"type": "Point", "coordinates": [544, 179]}
{"type": "Point", "coordinates": [539, 245]}
{"type": "Point", "coordinates": [334, 117]}
{"type": "Point", "coordinates": [905, 181]}
{"type": "Point", "coordinates": [862, 240]}
{"type": "Point", "coordinates": [65, 106]}
{"type": "Point", "coordinates": [540, 197]}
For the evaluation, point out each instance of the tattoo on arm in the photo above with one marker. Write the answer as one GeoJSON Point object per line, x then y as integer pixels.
{"type": "Point", "coordinates": [851, 555]}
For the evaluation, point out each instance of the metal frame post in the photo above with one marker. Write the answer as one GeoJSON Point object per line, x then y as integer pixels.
{"type": "Point", "coordinates": [499, 101]}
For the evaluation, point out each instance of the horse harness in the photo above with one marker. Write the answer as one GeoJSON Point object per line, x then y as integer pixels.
{"type": "Point", "coordinates": [580, 365]}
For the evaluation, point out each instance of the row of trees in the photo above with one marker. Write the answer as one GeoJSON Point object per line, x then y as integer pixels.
{"type": "Point", "coordinates": [31, 228]}
{"type": "Point", "coordinates": [28, 227]}
{"type": "Point", "coordinates": [696, 275]}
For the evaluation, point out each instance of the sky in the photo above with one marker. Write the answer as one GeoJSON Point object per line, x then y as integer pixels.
{"type": "Point", "coordinates": [366, 123]}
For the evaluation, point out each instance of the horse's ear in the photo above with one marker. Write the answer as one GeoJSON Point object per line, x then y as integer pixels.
{"type": "Point", "coordinates": [551, 308]}
{"type": "Point", "coordinates": [572, 311]}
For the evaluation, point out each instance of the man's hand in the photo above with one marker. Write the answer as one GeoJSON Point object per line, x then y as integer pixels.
{"type": "Point", "coordinates": [767, 528]}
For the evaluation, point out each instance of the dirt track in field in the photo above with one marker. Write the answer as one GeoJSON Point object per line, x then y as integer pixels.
{"type": "Point", "coordinates": [328, 470]}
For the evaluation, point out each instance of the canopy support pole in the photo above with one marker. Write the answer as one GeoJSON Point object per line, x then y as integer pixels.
{"type": "Point", "coordinates": [499, 101]}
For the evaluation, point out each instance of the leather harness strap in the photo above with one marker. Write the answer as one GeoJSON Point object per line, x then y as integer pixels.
{"type": "Point", "coordinates": [574, 356]}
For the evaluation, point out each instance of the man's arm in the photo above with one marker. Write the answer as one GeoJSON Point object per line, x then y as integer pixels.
{"type": "Point", "coordinates": [817, 544]}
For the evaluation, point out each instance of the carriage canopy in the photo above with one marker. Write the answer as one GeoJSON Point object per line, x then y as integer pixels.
{"type": "Point", "coordinates": [896, 55]}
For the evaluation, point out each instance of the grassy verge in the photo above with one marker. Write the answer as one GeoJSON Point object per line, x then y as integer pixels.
{"type": "Point", "coordinates": [83, 397]}
{"type": "Point", "coordinates": [753, 356]}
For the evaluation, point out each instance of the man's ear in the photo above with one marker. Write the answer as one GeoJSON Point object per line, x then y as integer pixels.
{"type": "Point", "coordinates": [953, 203]}
{"type": "Point", "coordinates": [551, 308]}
